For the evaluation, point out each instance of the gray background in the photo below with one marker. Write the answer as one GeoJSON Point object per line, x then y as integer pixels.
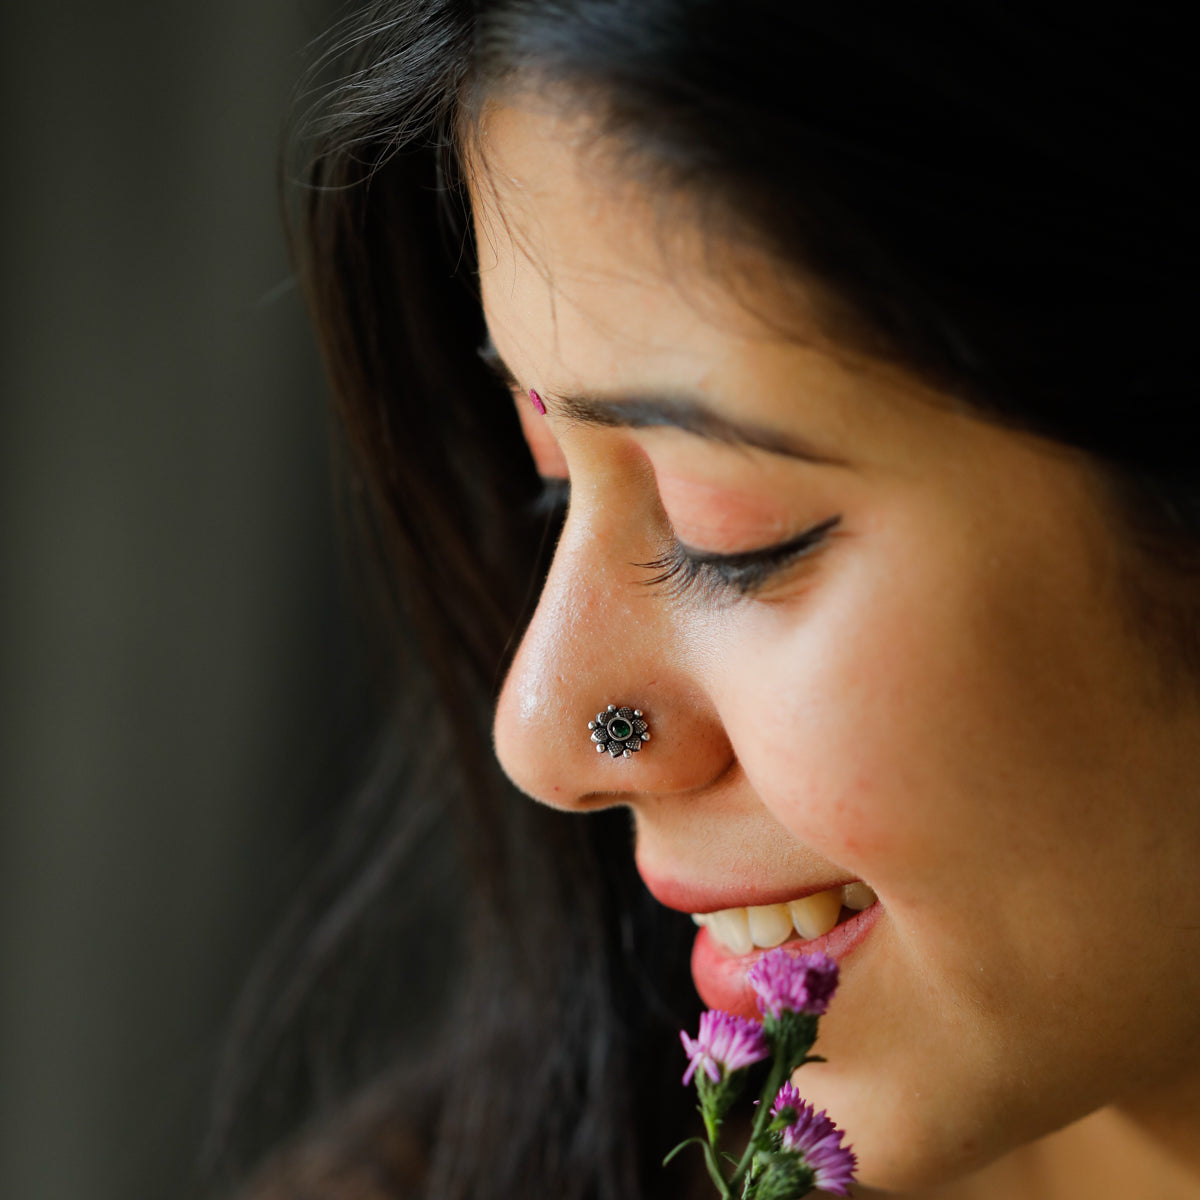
{"type": "Point", "coordinates": [173, 682]}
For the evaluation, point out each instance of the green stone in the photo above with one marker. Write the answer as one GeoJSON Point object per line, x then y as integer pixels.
{"type": "Point", "coordinates": [620, 729]}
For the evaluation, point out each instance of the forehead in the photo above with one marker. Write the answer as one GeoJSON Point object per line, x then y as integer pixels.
{"type": "Point", "coordinates": [590, 281]}
{"type": "Point", "coordinates": [571, 241]}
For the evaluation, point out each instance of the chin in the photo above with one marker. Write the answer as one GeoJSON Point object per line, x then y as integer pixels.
{"type": "Point", "coordinates": [906, 1138]}
{"type": "Point", "coordinates": [920, 1106]}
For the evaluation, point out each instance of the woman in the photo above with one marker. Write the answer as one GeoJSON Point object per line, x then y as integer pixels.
{"type": "Point", "coordinates": [859, 333]}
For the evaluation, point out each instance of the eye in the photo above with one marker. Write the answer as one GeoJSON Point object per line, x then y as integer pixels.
{"type": "Point", "coordinates": [683, 571]}
{"type": "Point", "coordinates": [552, 500]}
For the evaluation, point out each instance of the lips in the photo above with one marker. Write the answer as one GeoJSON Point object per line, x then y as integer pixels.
{"type": "Point", "coordinates": [737, 927]}
{"type": "Point", "coordinates": [720, 976]}
{"type": "Point", "coordinates": [740, 929]}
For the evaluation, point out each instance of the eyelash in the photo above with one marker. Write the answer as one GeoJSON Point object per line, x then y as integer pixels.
{"type": "Point", "coordinates": [685, 572]}
{"type": "Point", "coordinates": [713, 577]}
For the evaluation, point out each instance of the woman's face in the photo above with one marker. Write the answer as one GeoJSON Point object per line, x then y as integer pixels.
{"type": "Point", "coordinates": [939, 696]}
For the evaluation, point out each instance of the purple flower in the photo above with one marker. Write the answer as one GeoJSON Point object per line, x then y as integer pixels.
{"type": "Point", "coordinates": [725, 1042]}
{"type": "Point", "coordinates": [802, 983]}
{"type": "Point", "coordinates": [818, 1141]}
{"type": "Point", "coordinates": [787, 1097]}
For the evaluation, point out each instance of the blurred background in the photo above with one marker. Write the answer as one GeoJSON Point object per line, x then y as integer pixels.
{"type": "Point", "coordinates": [177, 686]}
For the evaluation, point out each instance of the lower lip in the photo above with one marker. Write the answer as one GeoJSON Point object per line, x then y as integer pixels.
{"type": "Point", "coordinates": [721, 977]}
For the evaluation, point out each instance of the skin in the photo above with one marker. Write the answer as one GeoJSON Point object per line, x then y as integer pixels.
{"type": "Point", "coordinates": [946, 700]}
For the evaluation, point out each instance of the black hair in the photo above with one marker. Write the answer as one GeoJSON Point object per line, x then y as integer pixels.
{"type": "Point", "coordinates": [1000, 197]}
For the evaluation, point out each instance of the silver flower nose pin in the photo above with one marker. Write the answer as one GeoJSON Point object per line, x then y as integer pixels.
{"type": "Point", "coordinates": [619, 730]}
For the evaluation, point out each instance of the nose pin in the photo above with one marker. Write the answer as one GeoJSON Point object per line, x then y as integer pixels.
{"type": "Point", "coordinates": [620, 730]}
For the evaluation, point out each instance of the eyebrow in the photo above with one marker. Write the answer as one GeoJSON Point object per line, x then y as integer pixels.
{"type": "Point", "coordinates": [638, 411]}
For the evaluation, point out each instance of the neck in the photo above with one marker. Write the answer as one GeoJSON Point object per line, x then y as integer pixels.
{"type": "Point", "coordinates": [1164, 1122]}
{"type": "Point", "coordinates": [1127, 1153]}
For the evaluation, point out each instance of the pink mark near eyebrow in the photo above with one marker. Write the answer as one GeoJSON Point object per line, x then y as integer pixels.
{"type": "Point", "coordinates": [537, 402]}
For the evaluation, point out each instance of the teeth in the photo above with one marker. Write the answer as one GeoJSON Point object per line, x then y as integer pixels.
{"type": "Point", "coordinates": [815, 915]}
{"type": "Point", "coordinates": [731, 927]}
{"type": "Point", "coordinates": [740, 930]}
{"type": "Point", "coordinates": [770, 924]}
{"type": "Point", "coordinates": [858, 896]}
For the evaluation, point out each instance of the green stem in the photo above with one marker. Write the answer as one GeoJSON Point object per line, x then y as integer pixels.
{"type": "Point", "coordinates": [775, 1081]}
{"type": "Point", "coordinates": [694, 1141]}
{"type": "Point", "coordinates": [710, 1161]}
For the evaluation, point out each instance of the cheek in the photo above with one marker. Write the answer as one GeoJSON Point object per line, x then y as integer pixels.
{"type": "Point", "coordinates": [872, 718]}
{"type": "Point", "coordinates": [943, 724]}
{"type": "Point", "coordinates": [831, 753]}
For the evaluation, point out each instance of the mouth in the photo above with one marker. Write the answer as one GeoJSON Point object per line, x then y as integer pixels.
{"type": "Point", "coordinates": [765, 926]}
{"type": "Point", "coordinates": [731, 940]}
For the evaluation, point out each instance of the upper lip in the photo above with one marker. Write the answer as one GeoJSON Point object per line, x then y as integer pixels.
{"type": "Point", "coordinates": [705, 898]}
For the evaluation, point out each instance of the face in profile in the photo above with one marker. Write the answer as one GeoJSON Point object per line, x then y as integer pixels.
{"type": "Point", "coordinates": [897, 708]}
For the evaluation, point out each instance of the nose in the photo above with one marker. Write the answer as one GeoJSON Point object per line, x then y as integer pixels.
{"type": "Point", "coordinates": [599, 636]}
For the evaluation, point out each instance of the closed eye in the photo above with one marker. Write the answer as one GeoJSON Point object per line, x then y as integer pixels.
{"type": "Point", "coordinates": [685, 571]}
{"type": "Point", "coordinates": [553, 498]}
